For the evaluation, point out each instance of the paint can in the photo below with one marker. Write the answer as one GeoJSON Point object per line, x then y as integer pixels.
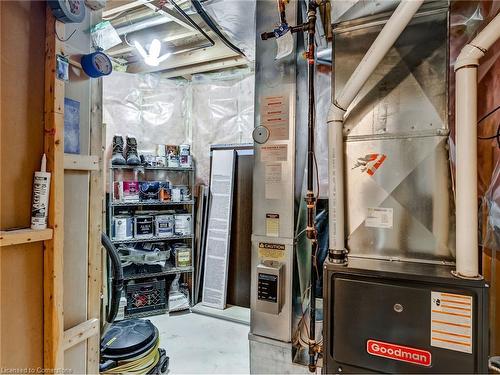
{"type": "Point", "coordinates": [126, 191]}
{"type": "Point", "coordinates": [184, 150]}
{"type": "Point", "coordinates": [173, 161]}
{"type": "Point", "coordinates": [144, 226]}
{"type": "Point", "coordinates": [149, 191]}
{"type": "Point", "coordinates": [161, 161]}
{"type": "Point", "coordinates": [165, 192]}
{"type": "Point", "coordinates": [123, 228]}
{"type": "Point", "coordinates": [185, 194]}
{"type": "Point", "coordinates": [172, 150]}
{"type": "Point", "coordinates": [164, 225]}
{"type": "Point", "coordinates": [182, 256]}
{"type": "Point", "coordinates": [160, 150]}
{"type": "Point", "coordinates": [176, 194]}
{"type": "Point", "coordinates": [185, 161]}
{"type": "Point", "coordinates": [182, 224]}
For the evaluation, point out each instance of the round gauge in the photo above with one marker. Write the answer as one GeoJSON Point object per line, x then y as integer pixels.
{"type": "Point", "coordinates": [68, 11]}
{"type": "Point", "coordinates": [260, 134]}
{"type": "Point", "coordinates": [96, 64]}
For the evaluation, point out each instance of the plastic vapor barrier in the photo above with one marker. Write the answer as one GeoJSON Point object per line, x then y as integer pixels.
{"type": "Point", "coordinates": [210, 109]}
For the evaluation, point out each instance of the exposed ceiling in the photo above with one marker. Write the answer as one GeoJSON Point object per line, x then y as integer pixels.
{"type": "Point", "coordinates": [191, 52]}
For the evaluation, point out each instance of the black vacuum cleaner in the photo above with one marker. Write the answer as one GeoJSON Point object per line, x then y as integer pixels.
{"type": "Point", "coordinates": [128, 346]}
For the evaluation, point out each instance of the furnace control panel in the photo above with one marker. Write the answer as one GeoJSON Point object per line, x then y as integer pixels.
{"type": "Point", "coordinates": [269, 287]}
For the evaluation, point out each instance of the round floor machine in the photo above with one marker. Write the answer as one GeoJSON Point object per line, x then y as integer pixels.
{"type": "Point", "coordinates": [132, 345]}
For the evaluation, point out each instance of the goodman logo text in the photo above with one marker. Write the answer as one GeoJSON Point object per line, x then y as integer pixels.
{"type": "Point", "coordinates": [399, 352]}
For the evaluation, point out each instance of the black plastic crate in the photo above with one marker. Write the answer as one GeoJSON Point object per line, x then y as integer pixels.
{"type": "Point", "coordinates": [145, 296]}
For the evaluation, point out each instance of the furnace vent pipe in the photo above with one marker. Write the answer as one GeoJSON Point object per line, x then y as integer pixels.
{"type": "Point", "coordinates": [384, 41]}
{"type": "Point", "coordinates": [467, 259]}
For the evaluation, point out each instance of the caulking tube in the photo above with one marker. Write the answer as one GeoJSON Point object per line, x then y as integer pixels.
{"type": "Point", "coordinates": [40, 205]}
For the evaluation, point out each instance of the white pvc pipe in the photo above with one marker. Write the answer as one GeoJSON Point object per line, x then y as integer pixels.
{"type": "Point", "coordinates": [384, 41]}
{"type": "Point", "coordinates": [467, 255]}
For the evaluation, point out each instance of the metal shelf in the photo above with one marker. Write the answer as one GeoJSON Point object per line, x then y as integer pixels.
{"type": "Point", "coordinates": [168, 271]}
{"type": "Point", "coordinates": [145, 314]}
{"type": "Point", "coordinates": [153, 239]}
{"type": "Point", "coordinates": [178, 169]}
{"type": "Point", "coordinates": [126, 204]}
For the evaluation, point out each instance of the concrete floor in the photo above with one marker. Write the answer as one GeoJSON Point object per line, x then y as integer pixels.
{"type": "Point", "coordinates": [199, 344]}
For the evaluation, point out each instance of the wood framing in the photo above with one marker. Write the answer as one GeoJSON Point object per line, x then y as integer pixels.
{"type": "Point", "coordinates": [53, 249]}
{"type": "Point", "coordinates": [81, 162]}
{"type": "Point", "coordinates": [96, 206]}
{"type": "Point", "coordinates": [81, 332]}
{"type": "Point", "coordinates": [19, 236]}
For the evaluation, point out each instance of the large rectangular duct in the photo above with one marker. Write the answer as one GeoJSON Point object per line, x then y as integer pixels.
{"type": "Point", "coordinates": [398, 186]}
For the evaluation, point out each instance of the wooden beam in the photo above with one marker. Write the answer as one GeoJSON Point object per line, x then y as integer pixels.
{"type": "Point", "coordinates": [53, 249]}
{"type": "Point", "coordinates": [26, 235]}
{"type": "Point", "coordinates": [96, 209]}
{"type": "Point", "coordinates": [218, 52]}
{"type": "Point", "coordinates": [81, 332]}
{"type": "Point", "coordinates": [81, 162]}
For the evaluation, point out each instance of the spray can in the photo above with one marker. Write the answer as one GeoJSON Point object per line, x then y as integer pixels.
{"type": "Point", "coordinates": [40, 204]}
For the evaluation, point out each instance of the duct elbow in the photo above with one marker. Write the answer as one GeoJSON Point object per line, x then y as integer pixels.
{"type": "Point", "coordinates": [469, 56]}
{"type": "Point", "coordinates": [335, 115]}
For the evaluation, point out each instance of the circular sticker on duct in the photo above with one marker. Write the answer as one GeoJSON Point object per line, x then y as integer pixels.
{"type": "Point", "coordinates": [260, 134]}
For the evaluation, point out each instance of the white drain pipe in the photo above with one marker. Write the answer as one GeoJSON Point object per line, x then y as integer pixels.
{"type": "Point", "coordinates": [467, 256]}
{"type": "Point", "coordinates": [384, 41]}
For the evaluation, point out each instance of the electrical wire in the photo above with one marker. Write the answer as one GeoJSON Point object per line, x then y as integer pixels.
{"type": "Point", "coordinates": [58, 37]}
{"type": "Point", "coordinates": [488, 114]}
{"type": "Point", "coordinates": [497, 136]}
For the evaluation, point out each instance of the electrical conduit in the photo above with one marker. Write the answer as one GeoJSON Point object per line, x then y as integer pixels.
{"type": "Point", "coordinates": [384, 41]}
{"type": "Point", "coordinates": [467, 256]}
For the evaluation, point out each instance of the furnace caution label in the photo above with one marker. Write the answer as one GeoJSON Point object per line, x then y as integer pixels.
{"type": "Point", "coordinates": [271, 250]}
{"type": "Point", "coordinates": [451, 321]}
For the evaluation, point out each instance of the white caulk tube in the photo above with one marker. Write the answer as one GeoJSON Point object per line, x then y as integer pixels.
{"type": "Point", "coordinates": [41, 189]}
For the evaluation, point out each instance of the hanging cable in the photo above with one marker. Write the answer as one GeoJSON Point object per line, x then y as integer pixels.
{"type": "Point", "coordinates": [210, 23]}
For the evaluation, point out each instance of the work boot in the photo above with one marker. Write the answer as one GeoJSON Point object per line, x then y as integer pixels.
{"type": "Point", "coordinates": [131, 152]}
{"type": "Point", "coordinates": [117, 153]}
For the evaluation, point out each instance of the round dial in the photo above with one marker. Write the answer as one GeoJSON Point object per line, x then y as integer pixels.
{"type": "Point", "coordinates": [260, 134]}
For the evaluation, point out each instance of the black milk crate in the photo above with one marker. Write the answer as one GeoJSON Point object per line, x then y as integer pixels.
{"type": "Point", "coordinates": [146, 296]}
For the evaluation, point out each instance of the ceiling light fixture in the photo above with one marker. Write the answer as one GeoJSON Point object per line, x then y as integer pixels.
{"type": "Point", "coordinates": [152, 58]}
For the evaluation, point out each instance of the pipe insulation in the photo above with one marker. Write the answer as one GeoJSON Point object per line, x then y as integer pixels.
{"type": "Point", "coordinates": [467, 255]}
{"type": "Point", "coordinates": [384, 41]}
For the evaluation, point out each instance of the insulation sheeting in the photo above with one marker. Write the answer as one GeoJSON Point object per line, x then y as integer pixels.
{"type": "Point", "coordinates": [222, 112]}
{"type": "Point", "coordinates": [210, 109]}
{"type": "Point", "coordinates": [237, 21]}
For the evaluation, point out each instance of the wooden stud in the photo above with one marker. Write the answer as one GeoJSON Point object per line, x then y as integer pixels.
{"type": "Point", "coordinates": [19, 236]}
{"type": "Point", "coordinates": [53, 249]}
{"type": "Point", "coordinates": [96, 205]}
{"type": "Point", "coordinates": [81, 162]}
{"type": "Point", "coordinates": [81, 332]}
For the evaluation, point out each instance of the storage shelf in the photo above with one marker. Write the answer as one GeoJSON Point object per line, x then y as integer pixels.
{"type": "Point", "coordinates": [127, 204]}
{"type": "Point", "coordinates": [153, 239]}
{"type": "Point", "coordinates": [168, 271]}
{"type": "Point", "coordinates": [178, 169]}
{"type": "Point", "coordinates": [26, 235]}
{"type": "Point", "coordinates": [145, 314]}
